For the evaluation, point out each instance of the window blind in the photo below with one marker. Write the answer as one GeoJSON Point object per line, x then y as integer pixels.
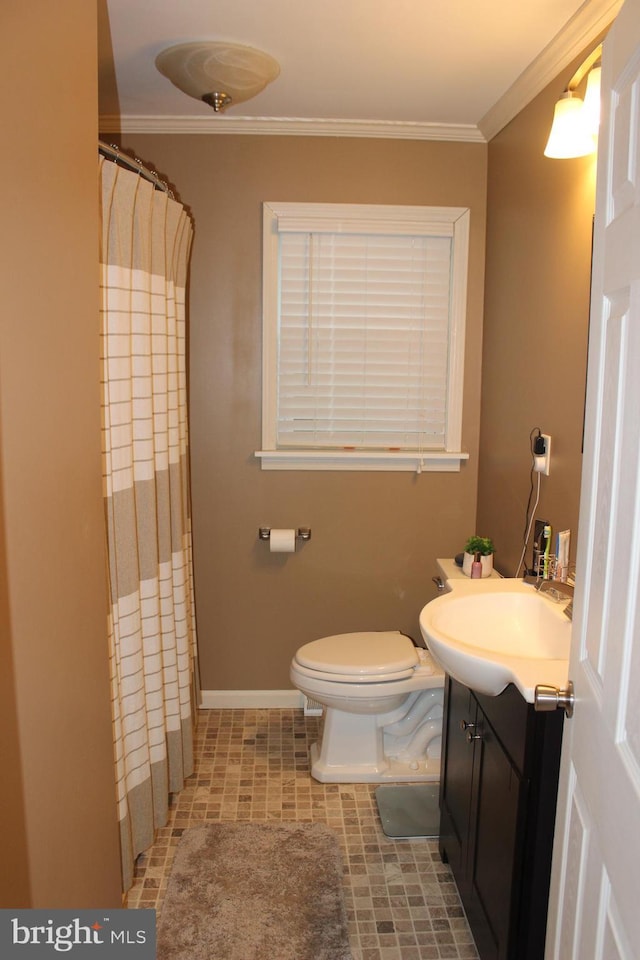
{"type": "Point", "coordinates": [363, 341]}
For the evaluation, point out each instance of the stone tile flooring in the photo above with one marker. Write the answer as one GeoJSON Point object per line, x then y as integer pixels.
{"type": "Point", "coordinates": [401, 900]}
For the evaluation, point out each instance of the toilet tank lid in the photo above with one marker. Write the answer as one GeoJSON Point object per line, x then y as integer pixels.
{"type": "Point", "coordinates": [355, 654]}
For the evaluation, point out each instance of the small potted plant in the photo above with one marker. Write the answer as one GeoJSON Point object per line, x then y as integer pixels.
{"type": "Point", "coordinates": [483, 546]}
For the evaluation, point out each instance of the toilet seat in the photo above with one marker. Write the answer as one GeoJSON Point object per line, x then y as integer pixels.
{"type": "Point", "coordinates": [373, 657]}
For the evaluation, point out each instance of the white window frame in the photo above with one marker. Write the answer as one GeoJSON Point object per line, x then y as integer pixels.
{"type": "Point", "coordinates": [364, 219]}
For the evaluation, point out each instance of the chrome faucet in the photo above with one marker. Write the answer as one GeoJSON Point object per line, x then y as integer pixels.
{"type": "Point", "coordinates": [558, 590]}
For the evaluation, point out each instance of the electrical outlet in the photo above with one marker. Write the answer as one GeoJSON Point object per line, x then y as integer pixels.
{"type": "Point", "coordinates": [547, 453]}
{"type": "Point", "coordinates": [542, 460]}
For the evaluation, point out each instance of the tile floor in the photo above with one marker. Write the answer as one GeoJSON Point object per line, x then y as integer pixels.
{"type": "Point", "coordinates": [401, 900]}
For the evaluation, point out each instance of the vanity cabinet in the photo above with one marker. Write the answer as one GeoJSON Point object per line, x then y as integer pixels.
{"type": "Point", "coordinates": [497, 812]}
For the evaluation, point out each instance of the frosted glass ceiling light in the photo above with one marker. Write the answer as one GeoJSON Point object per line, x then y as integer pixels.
{"type": "Point", "coordinates": [574, 131]}
{"type": "Point", "coordinates": [218, 73]}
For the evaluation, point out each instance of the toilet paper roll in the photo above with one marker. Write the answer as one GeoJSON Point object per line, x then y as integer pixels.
{"type": "Point", "coordinates": [282, 541]}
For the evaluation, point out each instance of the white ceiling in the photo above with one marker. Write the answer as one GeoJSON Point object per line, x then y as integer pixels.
{"type": "Point", "coordinates": [407, 66]}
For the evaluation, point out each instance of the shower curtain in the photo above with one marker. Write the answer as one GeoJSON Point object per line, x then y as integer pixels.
{"type": "Point", "coordinates": [145, 245]}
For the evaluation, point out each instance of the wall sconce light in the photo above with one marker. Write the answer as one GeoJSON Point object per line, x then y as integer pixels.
{"type": "Point", "coordinates": [592, 99]}
{"type": "Point", "coordinates": [574, 132]}
{"type": "Point", "coordinates": [219, 73]}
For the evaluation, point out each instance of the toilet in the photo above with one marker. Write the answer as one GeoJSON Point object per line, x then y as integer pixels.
{"type": "Point", "coordinates": [383, 701]}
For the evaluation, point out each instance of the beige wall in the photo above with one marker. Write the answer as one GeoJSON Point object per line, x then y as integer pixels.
{"type": "Point", "coordinates": [58, 818]}
{"type": "Point", "coordinates": [539, 221]}
{"type": "Point", "coordinates": [14, 878]}
{"type": "Point", "coordinates": [375, 535]}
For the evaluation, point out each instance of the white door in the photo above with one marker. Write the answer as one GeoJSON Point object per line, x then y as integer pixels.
{"type": "Point", "coordinates": [595, 893]}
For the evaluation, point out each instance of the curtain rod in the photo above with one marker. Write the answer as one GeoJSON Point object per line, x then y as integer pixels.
{"type": "Point", "coordinates": [112, 152]}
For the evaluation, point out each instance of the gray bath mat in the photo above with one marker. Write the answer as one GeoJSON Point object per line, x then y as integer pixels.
{"type": "Point", "coordinates": [409, 810]}
{"type": "Point", "coordinates": [255, 891]}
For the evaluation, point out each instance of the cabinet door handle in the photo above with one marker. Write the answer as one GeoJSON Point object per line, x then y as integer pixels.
{"type": "Point", "coordinates": [469, 727]}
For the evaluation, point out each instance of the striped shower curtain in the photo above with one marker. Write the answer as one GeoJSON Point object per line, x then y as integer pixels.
{"type": "Point", "coordinates": [145, 244]}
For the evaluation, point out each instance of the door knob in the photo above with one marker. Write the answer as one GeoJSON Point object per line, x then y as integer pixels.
{"type": "Point", "coordinates": [552, 698]}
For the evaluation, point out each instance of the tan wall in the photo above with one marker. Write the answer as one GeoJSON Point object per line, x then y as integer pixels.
{"type": "Point", "coordinates": [58, 823]}
{"type": "Point", "coordinates": [375, 535]}
{"type": "Point", "coordinates": [539, 221]}
{"type": "Point", "coordinates": [14, 877]}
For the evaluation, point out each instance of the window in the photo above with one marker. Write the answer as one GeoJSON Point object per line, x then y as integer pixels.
{"type": "Point", "coordinates": [363, 336]}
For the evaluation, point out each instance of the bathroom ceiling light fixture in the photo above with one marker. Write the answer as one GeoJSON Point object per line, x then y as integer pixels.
{"type": "Point", "coordinates": [574, 132]}
{"type": "Point", "coordinates": [217, 72]}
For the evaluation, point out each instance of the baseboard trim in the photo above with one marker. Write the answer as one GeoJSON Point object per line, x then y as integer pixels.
{"type": "Point", "coordinates": [248, 699]}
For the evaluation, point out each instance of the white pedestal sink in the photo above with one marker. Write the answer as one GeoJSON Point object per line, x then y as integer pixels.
{"type": "Point", "coordinates": [490, 633]}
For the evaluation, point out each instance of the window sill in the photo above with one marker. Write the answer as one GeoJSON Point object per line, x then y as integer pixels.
{"type": "Point", "coordinates": [428, 462]}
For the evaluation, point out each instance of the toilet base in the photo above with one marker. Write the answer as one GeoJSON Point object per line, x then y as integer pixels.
{"type": "Point", "coordinates": [388, 770]}
{"type": "Point", "coordinates": [402, 746]}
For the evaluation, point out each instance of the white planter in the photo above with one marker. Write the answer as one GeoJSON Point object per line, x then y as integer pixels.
{"type": "Point", "coordinates": [486, 561]}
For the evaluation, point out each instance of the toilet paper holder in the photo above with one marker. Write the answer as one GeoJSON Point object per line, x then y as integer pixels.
{"type": "Point", "coordinates": [302, 533]}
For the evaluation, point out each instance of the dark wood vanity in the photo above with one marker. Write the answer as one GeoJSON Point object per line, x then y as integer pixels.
{"type": "Point", "coordinates": [498, 793]}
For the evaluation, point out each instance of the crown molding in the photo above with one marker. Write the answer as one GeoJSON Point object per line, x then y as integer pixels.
{"type": "Point", "coordinates": [586, 25]}
{"type": "Point", "coordinates": [292, 127]}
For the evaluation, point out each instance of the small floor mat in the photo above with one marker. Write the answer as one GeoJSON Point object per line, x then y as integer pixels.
{"type": "Point", "coordinates": [410, 810]}
{"type": "Point", "coordinates": [255, 891]}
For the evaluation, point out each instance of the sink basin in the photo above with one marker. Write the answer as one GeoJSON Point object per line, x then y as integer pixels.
{"type": "Point", "coordinates": [489, 633]}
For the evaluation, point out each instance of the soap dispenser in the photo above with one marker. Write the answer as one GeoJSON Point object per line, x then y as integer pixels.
{"type": "Point", "coordinates": [476, 567]}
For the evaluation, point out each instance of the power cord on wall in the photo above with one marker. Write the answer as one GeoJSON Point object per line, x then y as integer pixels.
{"type": "Point", "coordinates": [530, 513]}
